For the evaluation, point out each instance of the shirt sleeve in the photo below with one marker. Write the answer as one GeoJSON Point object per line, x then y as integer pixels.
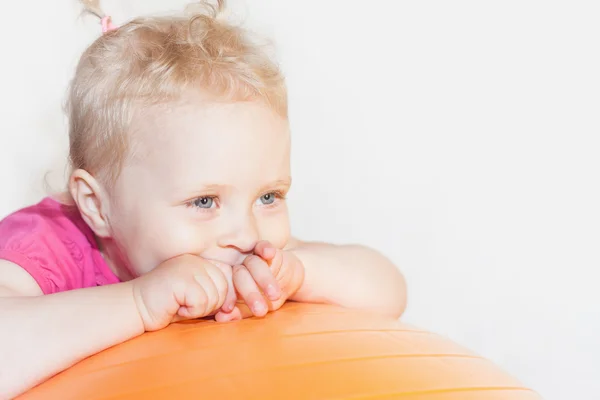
{"type": "Point", "coordinates": [28, 240]}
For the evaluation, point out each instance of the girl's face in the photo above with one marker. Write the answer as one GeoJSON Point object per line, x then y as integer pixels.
{"type": "Point", "coordinates": [204, 178]}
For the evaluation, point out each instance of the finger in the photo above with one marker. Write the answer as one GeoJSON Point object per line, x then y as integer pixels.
{"type": "Point", "coordinates": [177, 318]}
{"type": "Point", "coordinates": [193, 300]}
{"type": "Point", "coordinates": [220, 284]}
{"type": "Point", "coordinates": [265, 250]}
{"type": "Point", "coordinates": [204, 282]}
{"type": "Point", "coordinates": [234, 315]}
{"type": "Point", "coordinates": [276, 263]}
{"type": "Point", "coordinates": [230, 297]}
{"type": "Point", "coordinates": [243, 310]}
{"type": "Point", "coordinates": [271, 254]}
{"type": "Point", "coordinates": [249, 292]}
{"type": "Point", "coordinates": [262, 275]}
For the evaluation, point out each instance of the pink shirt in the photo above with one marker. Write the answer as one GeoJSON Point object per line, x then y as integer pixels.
{"type": "Point", "coordinates": [55, 246]}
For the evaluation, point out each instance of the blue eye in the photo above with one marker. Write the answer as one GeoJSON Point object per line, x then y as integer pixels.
{"type": "Point", "coordinates": [203, 202]}
{"type": "Point", "coordinates": [268, 198]}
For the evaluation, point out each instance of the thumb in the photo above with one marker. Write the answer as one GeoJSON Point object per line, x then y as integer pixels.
{"type": "Point", "coordinates": [265, 250]}
{"type": "Point", "coordinates": [230, 297]}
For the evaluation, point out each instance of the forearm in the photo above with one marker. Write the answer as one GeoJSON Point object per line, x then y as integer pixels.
{"type": "Point", "coordinates": [350, 276]}
{"type": "Point", "coordinates": [44, 335]}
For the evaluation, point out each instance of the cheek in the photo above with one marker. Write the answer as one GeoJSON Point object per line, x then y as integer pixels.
{"type": "Point", "coordinates": [149, 239]}
{"type": "Point", "coordinates": [175, 236]}
{"type": "Point", "coordinates": [275, 228]}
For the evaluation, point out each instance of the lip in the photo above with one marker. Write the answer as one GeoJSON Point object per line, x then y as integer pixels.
{"type": "Point", "coordinates": [231, 261]}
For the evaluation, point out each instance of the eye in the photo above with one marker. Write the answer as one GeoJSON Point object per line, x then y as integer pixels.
{"type": "Point", "coordinates": [203, 202]}
{"type": "Point", "coordinates": [269, 198]}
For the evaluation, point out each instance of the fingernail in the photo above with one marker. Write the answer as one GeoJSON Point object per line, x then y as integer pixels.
{"type": "Point", "coordinates": [273, 292]}
{"type": "Point", "coordinates": [258, 307]}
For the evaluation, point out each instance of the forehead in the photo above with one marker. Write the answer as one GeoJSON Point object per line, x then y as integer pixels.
{"type": "Point", "coordinates": [202, 142]}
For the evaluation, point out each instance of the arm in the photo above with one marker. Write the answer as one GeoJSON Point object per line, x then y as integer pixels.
{"type": "Point", "coordinates": [43, 335]}
{"type": "Point", "coordinates": [349, 276]}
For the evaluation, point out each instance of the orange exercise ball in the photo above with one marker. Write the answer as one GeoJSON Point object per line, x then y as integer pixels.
{"type": "Point", "coordinates": [302, 351]}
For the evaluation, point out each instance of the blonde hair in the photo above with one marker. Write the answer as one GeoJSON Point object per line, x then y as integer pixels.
{"type": "Point", "coordinates": [154, 60]}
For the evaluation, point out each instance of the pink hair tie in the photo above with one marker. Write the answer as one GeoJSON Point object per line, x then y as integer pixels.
{"type": "Point", "coordinates": [107, 25]}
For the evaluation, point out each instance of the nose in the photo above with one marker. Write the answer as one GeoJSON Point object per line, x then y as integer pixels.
{"type": "Point", "coordinates": [240, 234]}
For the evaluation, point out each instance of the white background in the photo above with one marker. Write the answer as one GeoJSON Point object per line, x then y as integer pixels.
{"type": "Point", "coordinates": [459, 138]}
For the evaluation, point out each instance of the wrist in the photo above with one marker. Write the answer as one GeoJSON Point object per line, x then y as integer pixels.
{"type": "Point", "coordinates": [136, 303]}
{"type": "Point", "coordinates": [297, 273]}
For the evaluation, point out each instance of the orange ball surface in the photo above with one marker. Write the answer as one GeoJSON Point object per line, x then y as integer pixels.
{"type": "Point", "coordinates": [302, 351]}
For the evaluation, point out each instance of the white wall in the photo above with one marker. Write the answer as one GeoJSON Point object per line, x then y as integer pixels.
{"type": "Point", "coordinates": [460, 138]}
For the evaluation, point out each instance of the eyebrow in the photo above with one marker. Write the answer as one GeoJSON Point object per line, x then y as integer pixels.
{"type": "Point", "coordinates": [282, 182]}
{"type": "Point", "coordinates": [279, 182]}
{"type": "Point", "coordinates": [287, 182]}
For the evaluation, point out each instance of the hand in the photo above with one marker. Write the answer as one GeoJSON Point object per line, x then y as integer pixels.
{"type": "Point", "coordinates": [263, 283]}
{"type": "Point", "coordinates": [183, 287]}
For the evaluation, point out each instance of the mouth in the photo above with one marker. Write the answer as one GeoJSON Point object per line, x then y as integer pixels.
{"type": "Point", "coordinates": [231, 261]}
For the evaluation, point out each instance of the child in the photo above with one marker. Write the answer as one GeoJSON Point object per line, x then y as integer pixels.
{"type": "Point", "coordinates": [180, 153]}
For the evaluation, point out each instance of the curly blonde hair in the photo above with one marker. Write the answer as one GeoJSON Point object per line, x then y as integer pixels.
{"type": "Point", "coordinates": [155, 60]}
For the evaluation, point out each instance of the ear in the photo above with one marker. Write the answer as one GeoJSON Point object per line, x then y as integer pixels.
{"type": "Point", "coordinates": [91, 200]}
